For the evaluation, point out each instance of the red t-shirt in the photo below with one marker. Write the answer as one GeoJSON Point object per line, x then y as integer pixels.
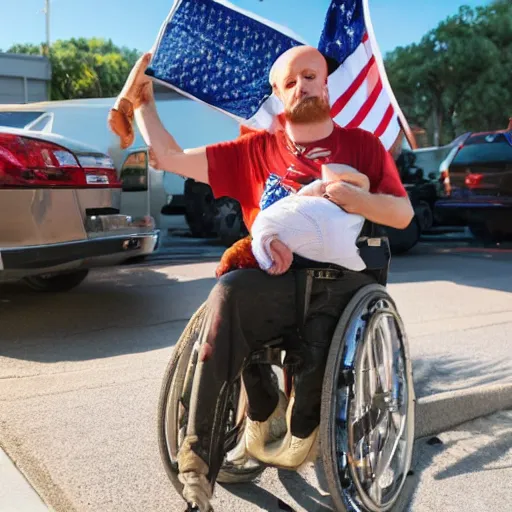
{"type": "Point", "coordinates": [240, 168]}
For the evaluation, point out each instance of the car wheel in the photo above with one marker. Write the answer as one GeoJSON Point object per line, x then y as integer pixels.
{"type": "Point", "coordinates": [403, 240]}
{"type": "Point", "coordinates": [61, 282]}
{"type": "Point", "coordinates": [425, 216]}
{"type": "Point", "coordinates": [199, 208]}
{"type": "Point", "coordinates": [229, 223]}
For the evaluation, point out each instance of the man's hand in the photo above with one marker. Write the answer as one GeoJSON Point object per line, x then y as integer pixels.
{"type": "Point", "coordinates": [282, 257]}
{"type": "Point", "coordinates": [332, 173]}
{"type": "Point", "coordinates": [387, 210]}
{"type": "Point", "coordinates": [357, 179]}
{"type": "Point", "coordinates": [347, 196]}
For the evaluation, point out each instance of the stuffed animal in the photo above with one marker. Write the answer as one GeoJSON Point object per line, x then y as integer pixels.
{"type": "Point", "coordinates": [121, 116]}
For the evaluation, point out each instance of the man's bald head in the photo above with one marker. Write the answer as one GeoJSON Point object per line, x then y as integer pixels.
{"type": "Point", "coordinates": [306, 55]}
{"type": "Point", "coordinates": [299, 80]}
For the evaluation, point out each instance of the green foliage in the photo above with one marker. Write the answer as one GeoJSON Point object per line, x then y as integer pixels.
{"type": "Point", "coordinates": [84, 68]}
{"type": "Point", "coordinates": [458, 77]}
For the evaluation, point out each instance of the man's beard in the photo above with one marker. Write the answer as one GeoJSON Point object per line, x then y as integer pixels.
{"type": "Point", "coordinates": [310, 110]}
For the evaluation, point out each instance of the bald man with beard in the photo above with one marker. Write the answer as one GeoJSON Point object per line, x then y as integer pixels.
{"type": "Point", "coordinates": [249, 307]}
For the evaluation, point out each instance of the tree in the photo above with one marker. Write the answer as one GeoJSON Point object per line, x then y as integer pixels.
{"type": "Point", "coordinates": [84, 68]}
{"type": "Point", "coordinates": [458, 77]}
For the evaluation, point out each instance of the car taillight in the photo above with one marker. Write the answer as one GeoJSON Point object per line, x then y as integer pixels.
{"type": "Point", "coordinates": [445, 180]}
{"type": "Point", "coordinates": [134, 173]}
{"type": "Point", "coordinates": [473, 180]}
{"type": "Point", "coordinates": [27, 162]}
{"type": "Point", "coordinates": [36, 163]}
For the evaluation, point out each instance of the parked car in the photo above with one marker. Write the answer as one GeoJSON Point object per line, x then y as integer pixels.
{"type": "Point", "coordinates": [61, 212]}
{"type": "Point", "coordinates": [150, 191]}
{"type": "Point", "coordinates": [424, 171]}
{"type": "Point", "coordinates": [477, 185]}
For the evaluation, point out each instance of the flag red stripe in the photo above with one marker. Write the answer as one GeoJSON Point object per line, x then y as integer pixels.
{"type": "Point", "coordinates": [367, 106]}
{"type": "Point", "coordinates": [342, 101]}
{"type": "Point", "coordinates": [385, 121]}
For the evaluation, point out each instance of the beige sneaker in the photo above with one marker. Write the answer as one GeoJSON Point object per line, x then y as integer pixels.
{"type": "Point", "coordinates": [289, 452]}
{"type": "Point", "coordinates": [259, 434]}
{"type": "Point", "coordinates": [197, 491]}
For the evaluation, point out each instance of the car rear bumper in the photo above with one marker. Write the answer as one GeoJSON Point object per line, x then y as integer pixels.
{"type": "Point", "coordinates": [101, 251]}
{"type": "Point", "coordinates": [474, 204]}
{"type": "Point", "coordinates": [470, 210]}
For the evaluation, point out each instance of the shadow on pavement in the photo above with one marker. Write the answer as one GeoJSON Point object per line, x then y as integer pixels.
{"type": "Point", "coordinates": [448, 373]}
{"type": "Point", "coordinates": [123, 311]}
{"type": "Point", "coordinates": [252, 493]}
{"type": "Point", "coordinates": [304, 493]}
{"type": "Point", "coordinates": [297, 488]}
{"type": "Point", "coordinates": [498, 433]}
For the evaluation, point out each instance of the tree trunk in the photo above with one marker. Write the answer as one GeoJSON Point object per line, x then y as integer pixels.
{"type": "Point", "coordinates": [437, 122]}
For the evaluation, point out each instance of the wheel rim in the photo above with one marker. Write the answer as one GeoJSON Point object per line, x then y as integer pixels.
{"type": "Point", "coordinates": [178, 406]}
{"type": "Point", "coordinates": [375, 412]}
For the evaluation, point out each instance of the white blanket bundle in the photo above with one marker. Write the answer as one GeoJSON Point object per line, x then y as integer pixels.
{"type": "Point", "coordinates": [312, 227]}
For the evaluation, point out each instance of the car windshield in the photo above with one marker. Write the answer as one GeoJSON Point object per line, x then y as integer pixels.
{"type": "Point", "coordinates": [18, 119]}
{"type": "Point", "coordinates": [483, 151]}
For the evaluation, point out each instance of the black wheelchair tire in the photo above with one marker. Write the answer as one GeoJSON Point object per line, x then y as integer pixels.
{"type": "Point", "coordinates": [184, 348]}
{"type": "Point", "coordinates": [329, 462]}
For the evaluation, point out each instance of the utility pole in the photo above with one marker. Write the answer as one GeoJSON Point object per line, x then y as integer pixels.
{"type": "Point", "coordinates": [48, 42]}
{"type": "Point", "coordinates": [47, 14]}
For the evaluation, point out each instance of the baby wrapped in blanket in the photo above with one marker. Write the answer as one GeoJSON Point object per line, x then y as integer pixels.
{"type": "Point", "coordinates": [310, 225]}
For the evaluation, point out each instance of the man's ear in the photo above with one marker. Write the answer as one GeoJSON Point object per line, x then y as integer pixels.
{"type": "Point", "coordinates": [275, 90]}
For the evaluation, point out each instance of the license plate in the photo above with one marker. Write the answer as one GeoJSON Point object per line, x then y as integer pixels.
{"type": "Point", "coordinates": [102, 223]}
{"type": "Point", "coordinates": [94, 179]}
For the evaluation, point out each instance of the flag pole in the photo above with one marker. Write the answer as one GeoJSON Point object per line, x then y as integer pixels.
{"type": "Point", "coordinates": [402, 121]}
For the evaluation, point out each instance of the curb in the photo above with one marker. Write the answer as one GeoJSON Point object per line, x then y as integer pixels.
{"type": "Point", "coordinates": [16, 493]}
{"type": "Point", "coordinates": [441, 412]}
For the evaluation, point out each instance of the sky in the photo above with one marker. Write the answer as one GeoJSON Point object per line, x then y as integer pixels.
{"type": "Point", "coordinates": [129, 23]}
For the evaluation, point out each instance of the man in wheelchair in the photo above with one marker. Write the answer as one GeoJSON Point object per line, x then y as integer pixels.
{"type": "Point", "coordinates": [249, 307]}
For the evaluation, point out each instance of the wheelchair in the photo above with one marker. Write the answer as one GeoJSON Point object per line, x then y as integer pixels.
{"type": "Point", "coordinates": [366, 433]}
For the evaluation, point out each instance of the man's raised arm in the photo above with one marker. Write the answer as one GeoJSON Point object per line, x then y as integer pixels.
{"type": "Point", "coordinates": [136, 101]}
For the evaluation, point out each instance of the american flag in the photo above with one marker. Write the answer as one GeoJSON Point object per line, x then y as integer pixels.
{"type": "Point", "coordinates": [217, 53]}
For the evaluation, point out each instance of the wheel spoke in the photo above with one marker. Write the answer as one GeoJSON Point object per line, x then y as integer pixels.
{"type": "Point", "coordinates": [391, 443]}
{"type": "Point", "coordinates": [375, 492]}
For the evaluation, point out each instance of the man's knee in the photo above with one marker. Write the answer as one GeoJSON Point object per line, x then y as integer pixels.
{"type": "Point", "coordinates": [233, 287]}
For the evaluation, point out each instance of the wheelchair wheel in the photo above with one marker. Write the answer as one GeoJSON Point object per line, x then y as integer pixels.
{"type": "Point", "coordinates": [368, 405]}
{"type": "Point", "coordinates": [173, 410]}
